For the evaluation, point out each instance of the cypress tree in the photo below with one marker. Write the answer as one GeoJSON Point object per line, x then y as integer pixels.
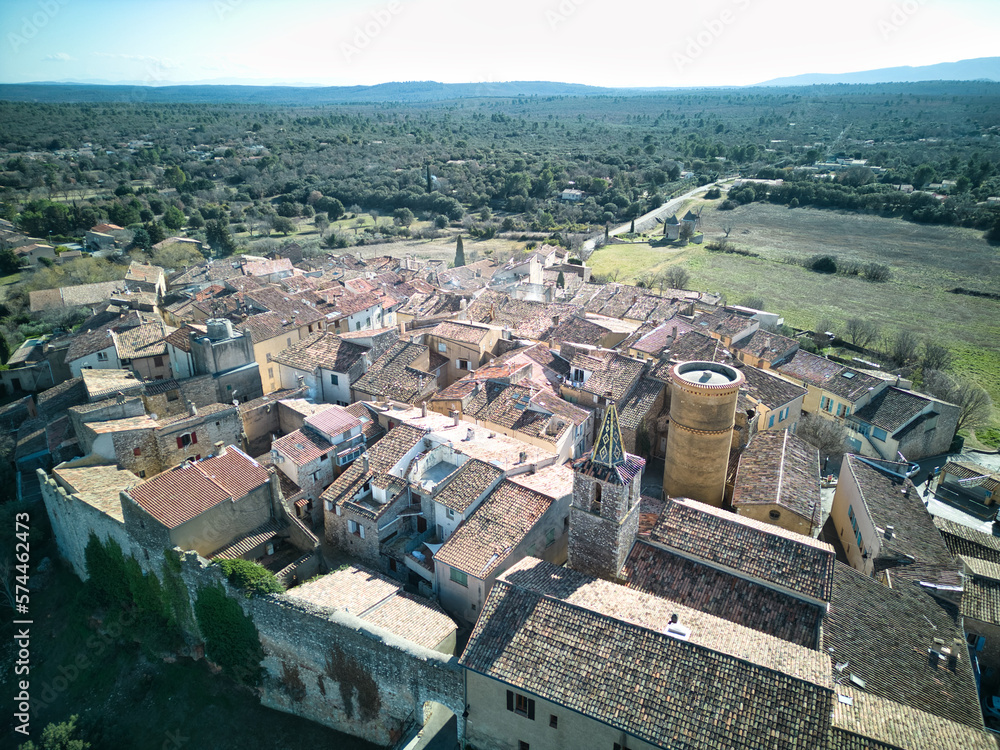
{"type": "Point", "coordinates": [459, 253]}
{"type": "Point", "coordinates": [429, 187]}
{"type": "Point", "coordinates": [561, 281]}
{"type": "Point", "coordinates": [632, 228]}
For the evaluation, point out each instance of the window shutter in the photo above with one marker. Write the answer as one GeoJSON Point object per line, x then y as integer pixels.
{"type": "Point", "coordinates": [362, 530]}
{"type": "Point", "coordinates": [531, 709]}
{"type": "Point", "coordinates": [194, 437]}
{"type": "Point", "coordinates": [510, 700]}
{"type": "Point", "coordinates": [180, 443]}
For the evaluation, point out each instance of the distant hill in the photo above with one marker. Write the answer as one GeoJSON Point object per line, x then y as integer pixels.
{"type": "Point", "coordinates": [978, 69]}
{"type": "Point", "coordinates": [405, 92]}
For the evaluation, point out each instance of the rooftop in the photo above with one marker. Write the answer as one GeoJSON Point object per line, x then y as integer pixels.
{"type": "Point", "coordinates": [379, 601]}
{"type": "Point", "coordinates": [635, 678]}
{"type": "Point", "coordinates": [98, 486]}
{"type": "Point", "coordinates": [968, 542]}
{"type": "Point", "coordinates": [322, 349]}
{"type": "Point", "coordinates": [892, 409]}
{"type": "Point", "coordinates": [746, 547]}
{"type": "Point", "coordinates": [467, 485]}
{"type": "Point", "coordinates": [780, 468]}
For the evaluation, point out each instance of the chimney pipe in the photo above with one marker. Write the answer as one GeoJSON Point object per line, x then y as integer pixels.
{"type": "Point", "coordinates": [364, 459]}
{"type": "Point", "coordinates": [673, 332]}
{"type": "Point", "coordinates": [889, 531]}
{"type": "Point", "coordinates": [454, 418]}
{"type": "Point", "coordinates": [192, 409]}
{"type": "Point", "coordinates": [220, 448]}
{"type": "Point", "coordinates": [423, 409]}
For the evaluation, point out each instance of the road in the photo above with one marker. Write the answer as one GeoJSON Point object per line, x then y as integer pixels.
{"type": "Point", "coordinates": [648, 220]}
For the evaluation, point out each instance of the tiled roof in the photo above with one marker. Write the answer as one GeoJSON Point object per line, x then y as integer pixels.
{"type": "Point", "coordinates": [767, 389]}
{"type": "Point", "coordinates": [140, 272]}
{"type": "Point", "coordinates": [468, 334]}
{"type": "Point", "coordinates": [467, 485]}
{"type": "Point", "coordinates": [716, 592]}
{"type": "Point", "coordinates": [382, 457]}
{"type": "Point", "coordinates": [846, 382]}
{"type": "Point", "coordinates": [59, 398]}
{"type": "Point", "coordinates": [914, 535]}
{"type": "Point", "coordinates": [662, 336]}
{"type": "Point", "coordinates": [103, 383]}
{"type": "Point", "coordinates": [179, 495]}
{"type": "Point", "coordinates": [266, 267]}
{"type": "Point", "coordinates": [968, 542]}
{"type": "Point", "coordinates": [892, 409]}
{"type": "Point", "coordinates": [765, 345]}
{"type": "Point", "coordinates": [519, 408]}
{"type": "Point", "coordinates": [98, 486]}
{"type": "Point", "coordinates": [333, 421]}
{"type": "Point", "coordinates": [302, 446]}
{"type": "Point", "coordinates": [322, 349]}
{"type": "Point", "coordinates": [89, 342]}
{"type": "Point", "coordinates": [612, 373]}
{"type": "Point", "coordinates": [371, 429]}
{"type": "Point", "coordinates": [143, 341]}
{"type": "Point", "coordinates": [661, 689]}
{"type": "Point", "coordinates": [265, 326]}
{"type": "Point", "coordinates": [862, 611]}
{"type": "Point", "coordinates": [634, 409]}
{"type": "Point", "coordinates": [752, 548]}
{"type": "Point", "coordinates": [841, 739]}
{"type": "Point", "coordinates": [395, 375]}
{"type": "Point", "coordinates": [780, 468]}
{"type": "Point", "coordinates": [981, 591]}
{"type": "Point", "coordinates": [989, 480]}
{"type": "Point", "coordinates": [902, 726]}
{"type": "Point", "coordinates": [497, 526]}
{"type": "Point", "coordinates": [579, 330]}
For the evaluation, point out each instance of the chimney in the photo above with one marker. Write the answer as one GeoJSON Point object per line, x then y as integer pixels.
{"type": "Point", "coordinates": [889, 531]}
{"type": "Point", "coordinates": [470, 434]}
{"type": "Point", "coordinates": [301, 380]}
{"type": "Point", "coordinates": [423, 409]}
{"type": "Point", "coordinates": [192, 409]}
{"type": "Point", "coordinates": [555, 320]}
{"type": "Point", "coordinates": [673, 332]}
{"type": "Point", "coordinates": [454, 418]}
{"type": "Point", "coordinates": [220, 448]}
{"type": "Point", "coordinates": [493, 312]}
{"type": "Point", "coordinates": [364, 464]}
{"type": "Point", "coordinates": [522, 457]}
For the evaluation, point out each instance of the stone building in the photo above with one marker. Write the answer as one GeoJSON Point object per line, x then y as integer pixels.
{"type": "Point", "coordinates": [228, 357]}
{"type": "Point", "coordinates": [604, 516]}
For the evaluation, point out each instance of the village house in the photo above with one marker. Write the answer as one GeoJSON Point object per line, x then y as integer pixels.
{"type": "Point", "coordinates": [407, 373]}
{"type": "Point", "coordinates": [327, 364]}
{"type": "Point", "coordinates": [466, 347]}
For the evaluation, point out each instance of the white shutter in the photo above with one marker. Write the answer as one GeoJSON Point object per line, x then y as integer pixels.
{"type": "Point", "coordinates": [362, 530]}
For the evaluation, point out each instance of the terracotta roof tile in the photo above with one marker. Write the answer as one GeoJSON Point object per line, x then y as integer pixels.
{"type": "Point", "coordinates": [322, 349]}
{"type": "Point", "coordinates": [467, 485]}
{"type": "Point", "coordinates": [780, 468]}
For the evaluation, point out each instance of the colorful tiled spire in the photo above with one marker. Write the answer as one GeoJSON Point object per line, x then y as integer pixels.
{"type": "Point", "coordinates": [608, 449]}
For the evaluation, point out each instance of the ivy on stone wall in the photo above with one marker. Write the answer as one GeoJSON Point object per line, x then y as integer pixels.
{"type": "Point", "coordinates": [250, 577]}
{"type": "Point", "coordinates": [231, 638]}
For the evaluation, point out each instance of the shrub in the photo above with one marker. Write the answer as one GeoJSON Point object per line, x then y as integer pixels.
{"type": "Point", "coordinates": [877, 272]}
{"type": "Point", "coordinates": [823, 264]}
{"type": "Point", "coordinates": [250, 577]}
{"type": "Point", "coordinates": [231, 638]}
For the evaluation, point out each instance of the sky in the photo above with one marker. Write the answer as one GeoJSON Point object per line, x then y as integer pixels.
{"type": "Point", "coordinates": [596, 42]}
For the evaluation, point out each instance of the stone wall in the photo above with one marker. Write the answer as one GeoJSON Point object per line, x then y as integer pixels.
{"type": "Point", "coordinates": [320, 664]}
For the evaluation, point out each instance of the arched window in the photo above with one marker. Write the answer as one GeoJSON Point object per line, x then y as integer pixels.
{"type": "Point", "coordinates": [596, 506]}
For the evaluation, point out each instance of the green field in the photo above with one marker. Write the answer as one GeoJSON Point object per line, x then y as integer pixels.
{"type": "Point", "coordinates": [926, 261]}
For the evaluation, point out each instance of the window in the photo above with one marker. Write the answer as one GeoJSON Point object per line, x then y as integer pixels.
{"type": "Point", "coordinates": [142, 475]}
{"type": "Point", "coordinates": [783, 414]}
{"type": "Point", "coordinates": [102, 356]}
{"type": "Point", "coordinates": [550, 537]}
{"type": "Point", "coordinates": [334, 380]}
{"type": "Point", "coordinates": [137, 451]}
{"type": "Point", "coordinates": [463, 364]}
{"type": "Point", "coordinates": [596, 505]}
{"type": "Point", "coordinates": [879, 434]}
{"type": "Point", "coordinates": [459, 577]}
{"type": "Point", "coordinates": [368, 322]}
{"type": "Point", "coordinates": [826, 404]}
{"type": "Point", "coordinates": [553, 721]}
{"type": "Point", "coordinates": [356, 528]}
{"type": "Point", "coordinates": [566, 523]}
{"type": "Point", "coordinates": [173, 395]}
{"type": "Point", "coordinates": [270, 372]}
{"type": "Point", "coordinates": [325, 457]}
{"type": "Point", "coordinates": [843, 410]}
{"type": "Point", "coordinates": [442, 347]}
{"type": "Point", "coordinates": [392, 565]}
{"type": "Point", "coordinates": [357, 326]}
{"type": "Point", "coordinates": [451, 513]}
{"type": "Point", "coordinates": [157, 361]}
{"type": "Point", "coordinates": [520, 704]}
{"type": "Point", "coordinates": [289, 341]}
{"type": "Point", "coordinates": [188, 438]}
{"type": "Point", "coordinates": [229, 388]}
{"type": "Point", "coordinates": [770, 420]}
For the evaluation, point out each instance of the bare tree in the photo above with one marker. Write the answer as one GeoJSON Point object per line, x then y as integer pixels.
{"type": "Point", "coordinates": [936, 357]}
{"type": "Point", "coordinates": [902, 347]}
{"type": "Point", "coordinates": [726, 229]}
{"type": "Point", "coordinates": [862, 332]}
{"type": "Point", "coordinates": [675, 277]}
{"type": "Point", "coordinates": [975, 407]}
{"type": "Point", "coordinates": [827, 436]}
{"type": "Point", "coordinates": [820, 337]}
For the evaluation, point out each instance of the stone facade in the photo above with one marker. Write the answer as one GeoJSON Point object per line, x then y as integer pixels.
{"type": "Point", "coordinates": [604, 521]}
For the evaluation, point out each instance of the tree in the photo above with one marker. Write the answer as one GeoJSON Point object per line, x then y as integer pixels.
{"type": "Point", "coordinates": [820, 334]}
{"type": "Point", "coordinates": [675, 277]}
{"type": "Point", "coordinates": [9, 262]}
{"type": "Point", "coordinates": [140, 238]}
{"type": "Point", "coordinates": [284, 225]}
{"type": "Point", "coordinates": [173, 218]}
{"type": "Point", "coordinates": [902, 347]}
{"type": "Point", "coordinates": [332, 207]}
{"type": "Point", "coordinates": [631, 229]}
{"type": "Point", "coordinates": [561, 280]}
{"type": "Point", "coordinates": [861, 331]}
{"type": "Point", "coordinates": [402, 217]}
{"type": "Point", "coordinates": [441, 221]}
{"type": "Point", "coordinates": [174, 176]}
{"type": "Point", "coordinates": [459, 253]}
{"type": "Point", "coordinates": [430, 183]}
{"type": "Point", "coordinates": [58, 737]}
{"type": "Point", "coordinates": [753, 301]}
{"type": "Point", "coordinates": [726, 229]}
{"type": "Point", "coordinates": [936, 357]}
{"type": "Point", "coordinates": [321, 222]}
{"type": "Point", "coordinates": [687, 230]}
{"type": "Point", "coordinates": [975, 407]}
{"type": "Point", "coordinates": [219, 239]}
{"type": "Point", "coordinates": [827, 436]}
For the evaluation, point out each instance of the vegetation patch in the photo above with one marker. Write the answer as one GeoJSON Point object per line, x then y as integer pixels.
{"type": "Point", "coordinates": [250, 577]}
{"type": "Point", "coordinates": [231, 638]}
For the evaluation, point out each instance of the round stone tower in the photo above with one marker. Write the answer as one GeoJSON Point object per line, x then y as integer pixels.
{"type": "Point", "coordinates": [702, 410]}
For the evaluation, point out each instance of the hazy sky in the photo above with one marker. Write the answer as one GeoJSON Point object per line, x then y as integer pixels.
{"type": "Point", "coordinates": [599, 42]}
